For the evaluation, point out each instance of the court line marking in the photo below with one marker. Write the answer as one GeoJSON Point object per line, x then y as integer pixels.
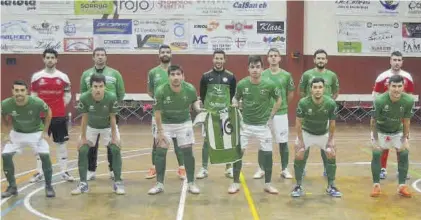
{"type": "Point", "coordinates": [29, 207]}
{"type": "Point", "coordinates": [249, 198]}
{"type": "Point", "coordinates": [414, 185]}
{"type": "Point", "coordinates": [182, 202]}
{"type": "Point", "coordinates": [58, 173]}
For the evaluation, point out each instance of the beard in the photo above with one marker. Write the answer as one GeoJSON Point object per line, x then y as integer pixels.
{"type": "Point", "coordinates": [165, 59]}
{"type": "Point", "coordinates": [320, 66]}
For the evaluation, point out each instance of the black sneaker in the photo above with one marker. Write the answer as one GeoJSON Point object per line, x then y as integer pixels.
{"type": "Point", "coordinates": [49, 191]}
{"type": "Point", "coordinates": [298, 191]}
{"type": "Point", "coordinates": [10, 191]}
{"type": "Point", "coordinates": [333, 191]}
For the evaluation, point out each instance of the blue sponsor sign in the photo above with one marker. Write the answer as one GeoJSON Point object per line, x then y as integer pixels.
{"type": "Point", "coordinates": [112, 26]}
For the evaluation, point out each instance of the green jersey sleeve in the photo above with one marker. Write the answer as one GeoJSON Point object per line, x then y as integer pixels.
{"type": "Point", "coordinates": [114, 105]}
{"type": "Point", "coordinates": [192, 94]}
{"type": "Point", "coordinates": [4, 110]}
{"type": "Point", "coordinates": [120, 89]}
{"type": "Point", "coordinates": [159, 98]}
{"type": "Point", "coordinates": [83, 86]}
{"type": "Point", "coordinates": [275, 91]}
{"type": "Point", "coordinates": [82, 106]}
{"type": "Point", "coordinates": [332, 110]}
{"type": "Point", "coordinates": [377, 107]}
{"type": "Point", "coordinates": [42, 105]}
{"type": "Point", "coordinates": [239, 91]}
{"type": "Point", "coordinates": [335, 84]}
{"type": "Point", "coordinates": [408, 108]}
{"type": "Point", "coordinates": [300, 109]}
{"type": "Point", "coordinates": [150, 83]}
{"type": "Point", "coordinates": [303, 83]}
{"type": "Point", "coordinates": [291, 84]}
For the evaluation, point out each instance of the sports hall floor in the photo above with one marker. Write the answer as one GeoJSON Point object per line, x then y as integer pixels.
{"type": "Point", "coordinates": [353, 178]}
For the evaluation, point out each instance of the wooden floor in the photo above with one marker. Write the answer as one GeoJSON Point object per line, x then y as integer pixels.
{"type": "Point", "coordinates": [353, 178]}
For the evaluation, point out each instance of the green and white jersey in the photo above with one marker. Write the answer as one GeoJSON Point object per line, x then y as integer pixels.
{"type": "Point", "coordinates": [175, 106]}
{"type": "Point", "coordinates": [315, 117]}
{"type": "Point", "coordinates": [285, 83]}
{"type": "Point", "coordinates": [156, 77]}
{"type": "Point", "coordinates": [389, 114]}
{"type": "Point", "coordinates": [98, 111]}
{"type": "Point", "coordinates": [256, 99]}
{"type": "Point", "coordinates": [331, 81]}
{"type": "Point", "coordinates": [25, 119]}
{"type": "Point", "coordinates": [113, 81]}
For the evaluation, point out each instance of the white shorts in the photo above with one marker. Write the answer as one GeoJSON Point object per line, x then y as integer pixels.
{"type": "Point", "coordinates": [105, 135]}
{"type": "Point", "coordinates": [388, 141]}
{"type": "Point", "coordinates": [311, 140]}
{"type": "Point", "coordinates": [154, 128]}
{"type": "Point", "coordinates": [19, 140]}
{"type": "Point", "coordinates": [280, 128]}
{"type": "Point", "coordinates": [261, 132]}
{"type": "Point", "coordinates": [182, 132]}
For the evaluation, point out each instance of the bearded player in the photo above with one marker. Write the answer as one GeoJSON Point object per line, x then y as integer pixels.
{"type": "Point", "coordinates": [53, 87]}
{"type": "Point", "coordinates": [381, 86]}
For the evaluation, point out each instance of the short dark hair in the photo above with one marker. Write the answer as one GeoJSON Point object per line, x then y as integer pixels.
{"type": "Point", "coordinates": [396, 53]}
{"type": "Point", "coordinates": [255, 59]}
{"type": "Point", "coordinates": [97, 78]}
{"type": "Point", "coordinates": [274, 50]}
{"type": "Point", "coordinates": [174, 68]}
{"type": "Point", "coordinates": [163, 46]}
{"type": "Point", "coordinates": [396, 79]}
{"type": "Point", "coordinates": [317, 80]}
{"type": "Point", "coordinates": [51, 51]}
{"type": "Point", "coordinates": [218, 51]}
{"type": "Point", "coordinates": [20, 83]}
{"type": "Point", "coordinates": [99, 49]}
{"type": "Point", "coordinates": [319, 51]}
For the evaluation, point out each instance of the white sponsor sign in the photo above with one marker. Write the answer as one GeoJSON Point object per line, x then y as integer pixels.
{"type": "Point", "coordinates": [47, 7]}
{"type": "Point", "coordinates": [368, 7]}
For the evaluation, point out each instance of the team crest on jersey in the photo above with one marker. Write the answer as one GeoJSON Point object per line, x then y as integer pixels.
{"type": "Point", "coordinates": [386, 108]}
{"type": "Point", "coordinates": [225, 79]}
{"type": "Point", "coordinates": [167, 100]}
{"type": "Point", "coordinates": [246, 91]}
{"type": "Point", "coordinates": [263, 91]}
{"type": "Point", "coordinates": [310, 111]}
{"type": "Point", "coordinates": [14, 114]}
{"type": "Point", "coordinates": [401, 109]}
{"type": "Point", "coordinates": [58, 81]}
{"type": "Point", "coordinates": [30, 112]}
{"type": "Point", "coordinates": [91, 108]}
{"type": "Point", "coordinates": [41, 82]}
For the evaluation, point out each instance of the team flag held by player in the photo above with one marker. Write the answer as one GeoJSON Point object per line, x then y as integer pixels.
{"type": "Point", "coordinates": [223, 132]}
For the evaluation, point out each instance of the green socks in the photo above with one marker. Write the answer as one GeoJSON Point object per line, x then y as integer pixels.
{"type": "Point", "coordinates": [9, 168]}
{"type": "Point", "coordinates": [324, 158]}
{"type": "Point", "coordinates": [153, 151]}
{"type": "Point", "coordinates": [299, 166]}
{"type": "Point", "coordinates": [178, 153]}
{"type": "Point", "coordinates": [237, 169]}
{"type": "Point", "coordinates": [205, 154]}
{"type": "Point", "coordinates": [331, 171]}
{"type": "Point", "coordinates": [403, 166]}
{"type": "Point", "coordinates": [267, 165]}
{"type": "Point", "coordinates": [284, 153]}
{"type": "Point", "coordinates": [376, 166]}
{"type": "Point", "coordinates": [47, 168]}
{"type": "Point", "coordinates": [261, 159]}
{"type": "Point", "coordinates": [83, 162]}
{"type": "Point", "coordinates": [116, 154]}
{"type": "Point", "coordinates": [160, 163]}
{"type": "Point", "coordinates": [189, 163]}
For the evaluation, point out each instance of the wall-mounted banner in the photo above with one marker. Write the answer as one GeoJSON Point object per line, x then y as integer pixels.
{"type": "Point", "coordinates": [413, 8]}
{"type": "Point", "coordinates": [411, 36]}
{"type": "Point", "coordinates": [89, 7]}
{"type": "Point", "coordinates": [47, 7]}
{"type": "Point", "coordinates": [369, 7]}
{"type": "Point", "coordinates": [112, 26]}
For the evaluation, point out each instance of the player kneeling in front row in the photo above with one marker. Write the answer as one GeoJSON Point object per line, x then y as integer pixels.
{"type": "Point", "coordinates": [172, 116]}
{"type": "Point", "coordinates": [316, 115]}
{"type": "Point", "coordinates": [390, 109]}
{"type": "Point", "coordinates": [27, 130]}
{"type": "Point", "coordinates": [98, 108]}
{"type": "Point", "coordinates": [257, 94]}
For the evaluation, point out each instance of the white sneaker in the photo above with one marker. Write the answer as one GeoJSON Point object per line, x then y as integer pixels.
{"type": "Point", "coordinates": [82, 187]}
{"type": "Point", "coordinates": [158, 188]}
{"type": "Point", "coordinates": [203, 173]}
{"type": "Point", "coordinates": [259, 174]}
{"type": "Point", "coordinates": [66, 176]}
{"type": "Point", "coordinates": [270, 189]}
{"type": "Point", "coordinates": [234, 188]}
{"type": "Point", "coordinates": [90, 176]}
{"type": "Point", "coordinates": [229, 173]}
{"type": "Point", "coordinates": [37, 178]}
{"type": "Point", "coordinates": [193, 189]}
{"type": "Point", "coordinates": [112, 175]}
{"type": "Point", "coordinates": [118, 188]}
{"type": "Point", "coordinates": [285, 174]}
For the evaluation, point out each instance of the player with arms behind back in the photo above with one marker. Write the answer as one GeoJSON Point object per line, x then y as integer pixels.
{"type": "Point", "coordinates": [381, 86]}
{"type": "Point", "coordinates": [390, 126]}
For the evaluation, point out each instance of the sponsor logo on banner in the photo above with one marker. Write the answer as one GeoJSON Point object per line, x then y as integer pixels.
{"type": "Point", "coordinates": [238, 27]}
{"type": "Point", "coordinates": [382, 37]}
{"type": "Point", "coordinates": [270, 27]}
{"type": "Point", "coordinates": [211, 7]}
{"type": "Point", "coordinates": [82, 44]}
{"type": "Point", "coordinates": [211, 26]}
{"type": "Point", "coordinates": [200, 42]}
{"type": "Point", "coordinates": [173, 5]}
{"type": "Point", "coordinates": [69, 29]}
{"type": "Point", "coordinates": [411, 30]}
{"type": "Point", "coordinates": [150, 26]}
{"type": "Point", "coordinates": [116, 44]}
{"type": "Point", "coordinates": [135, 6]}
{"type": "Point", "coordinates": [77, 26]}
{"type": "Point", "coordinates": [112, 26]}
{"type": "Point", "coordinates": [221, 43]}
{"type": "Point", "coordinates": [414, 7]}
{"type": "Point", "coordinates": [347, 5]}
{"type": "Point", "coordinates": [15, 31]}
{"type": "Point", "coordinates": [240, 42]}
{"type": "Point", "coordinates": [179, 30]}
{"type": "Point", "coordinates": [46, 28]}
{"type": "Point", "coordinates": [249, 4]}
{"type": "Point", "coordinates": [27, 5]}
{"type": "Point", "coordinates": [48, 43]}
{"type": "Point", "coordinates": [390, 5]}
{"type": "Point", "coordinates": [179, 45]}
{"type": "Point", "coordinates": [149, 41]}
{"type": "Point", "coordinates": [89, 7]}
{"type": "Point", "coordinates": [412, 45]}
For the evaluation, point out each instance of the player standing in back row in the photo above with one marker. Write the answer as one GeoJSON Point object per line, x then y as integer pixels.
{"type": "Point", "coordinates": [390, 127]}
{"type": "Point", "coordinates": [53, 87]}
{"type": "Point", "coordinates": [217, 88]}
{"type": "Point", "coordinates": [381, 86]}
{"type": "Point", "coordinates": [157, 77]}
{"type": "Point", "coordinates": [256, 94]}
{"type": "Point", "coordinates": [114, 84]}
{"type": "Point", "coordinates": [280, 127]}
{"type": "Point", "coordinates": [331, 84]}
